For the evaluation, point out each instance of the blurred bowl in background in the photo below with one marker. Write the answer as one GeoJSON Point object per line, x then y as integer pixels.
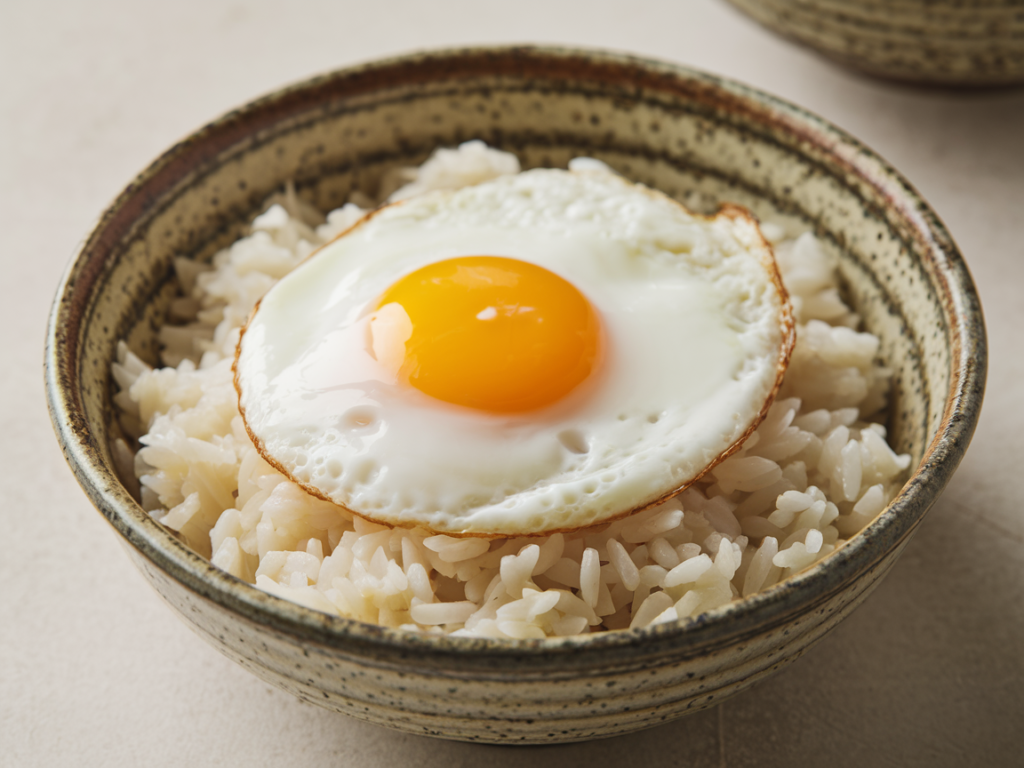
{"type": "Point", "coordinates": [942, 42]}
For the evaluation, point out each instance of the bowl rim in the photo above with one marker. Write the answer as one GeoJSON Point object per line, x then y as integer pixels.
{"type": "Point", "coordinates": [739, 619]}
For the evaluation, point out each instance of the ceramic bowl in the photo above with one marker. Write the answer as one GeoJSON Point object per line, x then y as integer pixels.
{"type": "Point", "coordinates": [661, 124]}
{"type": "Point", "coordinates": [942, 42]}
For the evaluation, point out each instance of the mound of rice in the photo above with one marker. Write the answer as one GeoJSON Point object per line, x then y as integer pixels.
{"type": "Point", "coordinates": [815, 472]}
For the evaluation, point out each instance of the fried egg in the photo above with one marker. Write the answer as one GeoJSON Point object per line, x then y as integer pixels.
{"type": "Point", "coordinates": [538, 353]}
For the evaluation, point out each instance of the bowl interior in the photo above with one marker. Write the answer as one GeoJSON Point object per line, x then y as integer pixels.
{"type": "Point", "coordinates": [675, 130]}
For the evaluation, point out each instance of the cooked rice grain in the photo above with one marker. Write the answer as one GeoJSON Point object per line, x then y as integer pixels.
{"type": "Point", "coordinates": [815, 472]}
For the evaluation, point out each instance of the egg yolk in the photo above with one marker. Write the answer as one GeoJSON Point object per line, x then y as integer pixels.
{"type": "Point", "coordinates": [488, 332]}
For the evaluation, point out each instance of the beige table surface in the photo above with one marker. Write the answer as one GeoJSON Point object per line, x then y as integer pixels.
{"type": "Point", "coordinates": [96, 671]}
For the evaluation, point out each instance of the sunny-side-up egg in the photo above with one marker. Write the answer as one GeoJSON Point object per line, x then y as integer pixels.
{"type": "Point", "coordinates": [541, 352]}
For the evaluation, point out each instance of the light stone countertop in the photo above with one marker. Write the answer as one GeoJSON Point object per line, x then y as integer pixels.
{"type": "Point", "coordinates": [96, 671]}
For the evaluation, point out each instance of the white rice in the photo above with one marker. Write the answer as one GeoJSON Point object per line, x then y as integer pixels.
{"type": "Point", "coordinates": [815, 472]}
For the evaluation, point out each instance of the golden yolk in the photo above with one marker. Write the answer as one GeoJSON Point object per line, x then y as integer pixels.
{"type": "Point", "coordinates": [493, 333]}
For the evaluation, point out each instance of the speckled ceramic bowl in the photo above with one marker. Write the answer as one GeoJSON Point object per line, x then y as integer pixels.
{"type": "Point", "coordinates": [943, 42]}
{"type": "Point", "coordinates": [664, 125]}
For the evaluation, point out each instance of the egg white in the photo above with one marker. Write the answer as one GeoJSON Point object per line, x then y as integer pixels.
{"type": "Point", "coordinates": [698, 333]}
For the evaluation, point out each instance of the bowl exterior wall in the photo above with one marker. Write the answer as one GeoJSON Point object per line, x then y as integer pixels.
{"type": "Point", "coordinates": [951, 42]}
{"type": "Point", "coordinates": [691, 135]}
{"type": "Point", "coordinates": [508, 703]}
